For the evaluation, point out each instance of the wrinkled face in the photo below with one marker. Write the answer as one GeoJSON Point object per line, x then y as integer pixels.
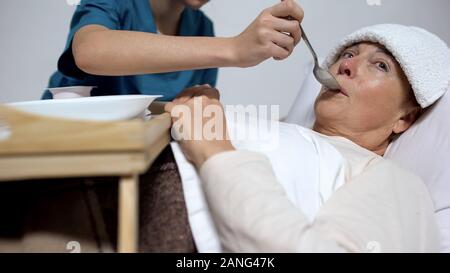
{"type": "Point", "coordinates": [195, 4]}
{"type": "Point", "coordinates": [374, 91]}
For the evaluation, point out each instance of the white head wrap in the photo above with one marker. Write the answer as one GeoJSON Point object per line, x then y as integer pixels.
{"type": "Point", "coordinates": [424, 58]}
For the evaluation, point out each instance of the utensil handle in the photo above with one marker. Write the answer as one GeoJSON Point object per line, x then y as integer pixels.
{"type": "Point", "coordinates": [305, 38]}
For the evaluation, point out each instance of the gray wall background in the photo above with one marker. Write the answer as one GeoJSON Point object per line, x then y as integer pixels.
{"type": "Point", "coordinates": [33, 34]}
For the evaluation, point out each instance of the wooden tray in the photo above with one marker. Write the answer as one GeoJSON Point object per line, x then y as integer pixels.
{"type": "Point", "coordinates": [32, 134]}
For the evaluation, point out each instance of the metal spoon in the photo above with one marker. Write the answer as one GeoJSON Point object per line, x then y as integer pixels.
{"type": "Point", "coordinates": [322, 75]}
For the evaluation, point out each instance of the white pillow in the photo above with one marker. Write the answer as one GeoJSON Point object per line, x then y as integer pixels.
{"type": "Point", "coordinates": [424, 149]}
{"type": "Point", "coordinates": [302, 111]}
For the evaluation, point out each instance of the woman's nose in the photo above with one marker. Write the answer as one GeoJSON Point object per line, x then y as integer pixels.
{"type": "Point", "coordinates": [347, 67]}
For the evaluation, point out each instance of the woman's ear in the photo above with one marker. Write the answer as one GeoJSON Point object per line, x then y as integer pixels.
{"type": "Point", "coordinates": [407, 120]}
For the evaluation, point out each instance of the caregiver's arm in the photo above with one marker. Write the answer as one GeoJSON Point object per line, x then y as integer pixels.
{"type": "Point", "coordinates": [101, 51]}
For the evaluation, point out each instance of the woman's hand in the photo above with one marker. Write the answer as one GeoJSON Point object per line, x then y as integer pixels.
{"type": "Point", "coordinates": [199, 124]}
{"type": "Point", "coordinates": [196, 91]}
{"type": "Point", "coordinates": [271, 35]}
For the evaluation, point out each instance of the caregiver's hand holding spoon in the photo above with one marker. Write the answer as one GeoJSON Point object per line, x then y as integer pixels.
{"type": "Point", "coordinates": [271, 35]}
{"type": "Point", "coordinates": [98, 50]}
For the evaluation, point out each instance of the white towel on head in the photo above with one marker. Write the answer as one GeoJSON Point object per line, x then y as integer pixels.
{"type": "Point", "coordinates": [424, 58]}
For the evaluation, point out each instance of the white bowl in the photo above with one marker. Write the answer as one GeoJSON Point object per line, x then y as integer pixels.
{"type": "Point", "coordinates": [71, 92]}
{"type": "Point", "coordinates": [103, 108]}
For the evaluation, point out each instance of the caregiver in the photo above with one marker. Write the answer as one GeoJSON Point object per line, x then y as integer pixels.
{"type": "Point", "coordinates": [159, 47]}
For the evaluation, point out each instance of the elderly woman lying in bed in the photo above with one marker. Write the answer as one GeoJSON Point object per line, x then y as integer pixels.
{"type": "Point", "coordinates": [364, 200]}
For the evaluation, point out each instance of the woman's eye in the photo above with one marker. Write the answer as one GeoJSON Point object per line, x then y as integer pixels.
{"type": "Point", "coordinates": [383, 66]}
{"type": "Point", "coordinates": [347, 55]}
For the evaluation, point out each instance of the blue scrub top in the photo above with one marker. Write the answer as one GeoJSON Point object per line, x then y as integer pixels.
{"type": "Point", "coordinates": [132, 15]}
